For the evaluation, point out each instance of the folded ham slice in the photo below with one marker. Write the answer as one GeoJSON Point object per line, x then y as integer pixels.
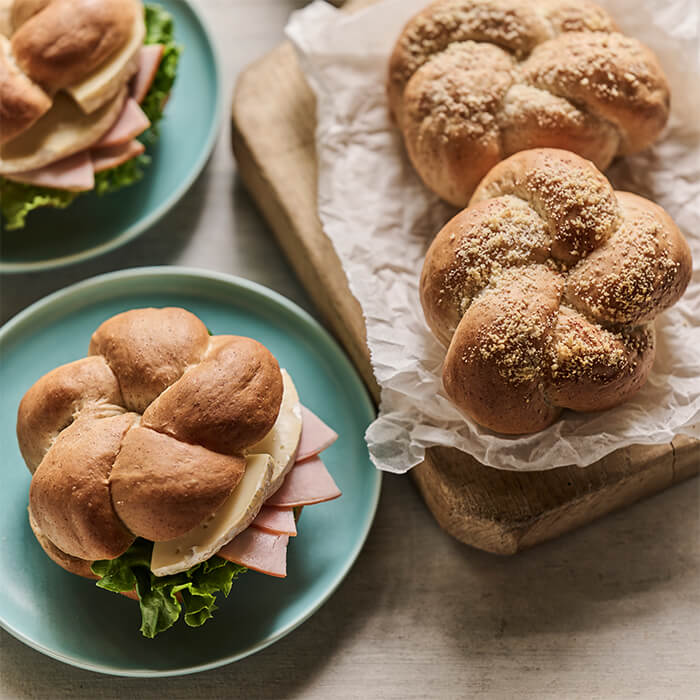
{"type": "Point", "coordinates": [316, 436]}
{"type": "Point", "coordinates": [278, 521]}
{"type": "Point", "coordinates": [307, 483]}
{"type": "Point", "coordinates": [112, 156]}
{"type": "Point", "coordinates": [74, 174]}
{"type": "Point", "coordinates": [263, 546]}
{"type": "Point", "coordinates": [258, 550]}
{"type": "Point", "coordinates": [130, 123]}
{"type": "Point", "coordinates": [150, 57]}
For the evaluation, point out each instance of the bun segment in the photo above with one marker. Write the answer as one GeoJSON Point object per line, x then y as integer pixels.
{"type": "Point", "coordinates": [104, 473]}
{"type": "Point", "coordinates": [544, 291]}
{"type": "Point", "coordinates": [474, 81]}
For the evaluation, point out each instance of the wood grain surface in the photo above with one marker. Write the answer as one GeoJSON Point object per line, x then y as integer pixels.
{"type": "Point", "coordinates": [273, 120]}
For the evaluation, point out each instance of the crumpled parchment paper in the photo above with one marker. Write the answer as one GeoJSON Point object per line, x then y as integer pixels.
{"type": "Point", "coordinates": [381, 220]}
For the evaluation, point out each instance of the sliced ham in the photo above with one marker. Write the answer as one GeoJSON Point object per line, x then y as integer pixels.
{"type": "Point", "coordinates": [258, 550]}
{"type": "Point", "coordinates": [278, 521]}
{"type": "Point", "coordinates": [130, 123]}
{"type": "Point", "coordinates": [150, 57]}
{"type": "Point", "coordinates": [112, 156]}
{"type": "Point", "coordinates": [316, 436]}
{"type": "Point", "coordinates": [307, 483]}
{"type": "Point", "coordinates": [74, 173]}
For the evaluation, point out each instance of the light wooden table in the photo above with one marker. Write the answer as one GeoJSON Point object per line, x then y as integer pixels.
{"type": "Point", "coordinates": [611, 611]}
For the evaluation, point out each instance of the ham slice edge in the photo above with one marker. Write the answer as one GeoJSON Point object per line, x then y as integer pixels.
{"type": "Point", "coordinates": [316, 436]}
{"type": "Point", "coordinates": [258, 550]}
{"type": "Point", "coordinates": [278, 521]}
{"type": "Point", "coordinates": [308, 482]}
{"type": "Point", "coordinates": [73, 173]}
{"type": "Point", "coordinates": [108, 157]}
{"type": "Point", "coordinates": [131, 122]}
{"type": "Point", "coordinates": [150, 57]}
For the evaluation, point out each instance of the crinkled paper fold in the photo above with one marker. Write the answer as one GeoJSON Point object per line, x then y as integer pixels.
{"type": "Point", "coordinates": [381, 220]}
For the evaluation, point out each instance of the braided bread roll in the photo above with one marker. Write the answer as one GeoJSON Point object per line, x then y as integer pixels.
{"type": "Point", "coordinates": [544, 291]}
{"type": "Point", "coordinates": [474, 81]}
{"type": "Point", "coordinates": [145, 437]}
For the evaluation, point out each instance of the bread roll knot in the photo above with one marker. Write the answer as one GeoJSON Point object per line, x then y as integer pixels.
{"type": "Point", "coordinates": [474, 81]}
{"type": "Point", "coordinates": [544, 291]}
{"type": "Point", "coordinates": [144, 437]}
{"type": "Point", "coordinates": [48, 49]}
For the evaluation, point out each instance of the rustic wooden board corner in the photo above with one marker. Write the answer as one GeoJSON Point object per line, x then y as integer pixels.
{"type": "Point", "coordinates": [273, 121]}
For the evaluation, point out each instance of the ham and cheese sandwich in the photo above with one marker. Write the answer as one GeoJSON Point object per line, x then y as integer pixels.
{"type": "Point", "coordinates": [169, 461]}
{"type": "Point", "coordinates": [82, 85]}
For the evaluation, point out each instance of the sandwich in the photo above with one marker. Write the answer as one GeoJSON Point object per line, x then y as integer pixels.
{"type": "Point", "coordinates": [83, 86]}
{"type": "Point", "coordinates": [168, 462]}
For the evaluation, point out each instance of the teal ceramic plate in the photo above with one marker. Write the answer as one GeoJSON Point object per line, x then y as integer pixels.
{"type": "Point", "coordinates": [93, 225]}
{"type": "Point", "coordinates": [67, 617]}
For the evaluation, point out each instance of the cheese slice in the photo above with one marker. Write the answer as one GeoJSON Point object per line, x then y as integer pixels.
{"type": "Point", "coordinates": [234, 516]}
{"type": "Point", "coordinates": [61, 132]}
{"type": "Point", "coordinates": [282, 442]}
{"type": "Point", "coordinates": [102, 85]}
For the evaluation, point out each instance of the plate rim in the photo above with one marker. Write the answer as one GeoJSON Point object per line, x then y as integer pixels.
{"type": "Point", "coordinates": [142, 225]}
{"type": "Point", "coordinates": [15, 324]}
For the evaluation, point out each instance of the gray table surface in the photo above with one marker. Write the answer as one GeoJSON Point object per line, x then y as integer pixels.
{"type": "Point", "coordinates": [612, 610]}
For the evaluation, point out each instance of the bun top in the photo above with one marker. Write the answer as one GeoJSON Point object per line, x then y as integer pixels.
{"type": "Point", "coordinates": [545, 288]}
{"type": "Point", "coordinates": [54, 45]}
{"type": "Point", "coordinates": [146, 436]}
{"type": "Point", "coordinates": [473, 81]}
{"type": "Point", "coordinates": [59, 42]}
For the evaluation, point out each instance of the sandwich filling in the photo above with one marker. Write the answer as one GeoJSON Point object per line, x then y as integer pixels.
{"type": "Point", "coordinates": [78, 161]}
{"type": "Point", "coordinates": [250, 530]}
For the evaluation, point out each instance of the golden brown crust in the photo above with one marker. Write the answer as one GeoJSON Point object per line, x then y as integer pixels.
{"type": "Point", "coordinates": [162, 488]}
{"type": "Point", "coordinates": [149, 349]}
{"type": "Point", "coordinates": [642, 270]}
{"type": "Point", "coordinates": [562, 77]}
{"type": "Point", "coordinates": [83, 387]}
{"type": "Point", "coordinates": [66, 40]}
{"type": "Point", "coordinates": [544, 289]}
{"type": "Point", "coordinates": [226, 403]}
{"type": "Point", "coordinates": [69, 495]}
{"type": "Point", "coordinates": [493, 367]}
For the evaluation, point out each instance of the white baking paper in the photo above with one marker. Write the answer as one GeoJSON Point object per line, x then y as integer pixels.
{"type": "Point", "coordinates": [381, 219]}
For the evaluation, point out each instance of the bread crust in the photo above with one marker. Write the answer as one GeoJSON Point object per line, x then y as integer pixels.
{"type": "Point", "coordinates": [23, 101]}
{"type": "Point", "coordinates": [66, 40]}
{"type": "Point", "coordinates": [148, 350]}
{"type": "Point", "coordinates": [544, 291]}
{"type": "Point", "coordinates": [473, 81]}
{"type": "Point", "coordinates": [161, 487]}
{"type": "Point", "coordinates": [221, 409]}
{"type": "Point", "coordinates": [69, 495]}
{"type": "Point", "coordinates": [86, 386]}
{"type": "Point", "coordinates": [144, 437]}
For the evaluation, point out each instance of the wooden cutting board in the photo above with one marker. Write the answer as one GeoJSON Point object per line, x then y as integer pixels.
{"type": "Point", "coordinates": [273, 121]}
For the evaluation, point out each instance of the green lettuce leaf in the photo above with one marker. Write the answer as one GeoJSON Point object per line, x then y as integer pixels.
{"type": "Point", "coordinates": [163, 598]}
{"type": "Point", "coordinates": [122, 176]}
{"type": "Point", "coordinates": [17, 199]}
{"type": "Point", "coordinates": [160, 30]}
